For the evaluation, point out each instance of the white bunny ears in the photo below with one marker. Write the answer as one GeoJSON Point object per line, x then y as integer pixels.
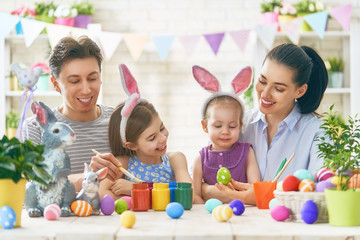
{"type": "Point", "coordinates": [239, 84]}
{"type": "Point", "coordinates": [132, 90]}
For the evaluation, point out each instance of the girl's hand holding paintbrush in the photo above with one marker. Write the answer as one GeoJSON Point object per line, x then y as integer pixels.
{"type": "Point", "coordinates": [106, 160]}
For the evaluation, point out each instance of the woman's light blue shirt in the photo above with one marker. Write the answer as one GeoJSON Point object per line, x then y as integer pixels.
{"type": "Point", "coordinates": [296, 134]}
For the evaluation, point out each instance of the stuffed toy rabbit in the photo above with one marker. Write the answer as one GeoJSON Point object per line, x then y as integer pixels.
{"type": "Point", "coordinates": [90, 187]}
{"type": "Point", "coordinates": [56, 137]}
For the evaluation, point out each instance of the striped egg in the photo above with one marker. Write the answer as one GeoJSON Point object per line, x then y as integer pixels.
{"type": "Point", "coordinates": [52, 212]}
{"type": "Point", "coordinates": [324, 174]}
{"type": "Point", "coordinates": [222, 213]}
{"type": "Point", "coordinates": [307, 185]}
{"type": "Point", "coordinates": [81, 208]}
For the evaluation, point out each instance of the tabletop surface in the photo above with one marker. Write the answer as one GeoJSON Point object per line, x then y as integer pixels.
{"type": "Point", "coordinates": [196, 223]}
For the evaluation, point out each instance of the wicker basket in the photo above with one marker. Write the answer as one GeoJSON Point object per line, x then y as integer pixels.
{"type": "Point", "coordinates": [295, 200]}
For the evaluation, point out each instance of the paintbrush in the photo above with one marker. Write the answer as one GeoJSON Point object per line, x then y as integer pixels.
{"type": "Point", "coordinates": [124, 171]}
{"type": "Point", "coordinates": [283, 168]}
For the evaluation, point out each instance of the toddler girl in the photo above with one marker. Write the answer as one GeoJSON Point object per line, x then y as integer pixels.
{"type": "Point", "coordinates": [138, 139]}
{"type": "Point", "coordinates": [222, 119]}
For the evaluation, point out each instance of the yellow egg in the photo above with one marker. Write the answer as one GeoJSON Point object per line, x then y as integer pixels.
{"type": "Point", "coordinates": [336, 180]}
{"type": "Point", "coordinates": [222, 213]}
{"type": "Point", "coordinates": [128, 219]}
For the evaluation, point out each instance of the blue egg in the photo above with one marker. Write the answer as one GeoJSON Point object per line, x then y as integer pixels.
{"type": "Point", "coordinates": [237, 207]}
{"type": "Point", "coordinates": [309, 212]}
{"type": "Point", "coordinates": [7, 217]}
{"type": "Point", "coordinates": [273, 202]}
{"type": "Point", "coordinates": [174, 210]}
{"type": "Point", "coordinates": [302, 174]}
{"type": "Point", "coordinates": [212, 203]}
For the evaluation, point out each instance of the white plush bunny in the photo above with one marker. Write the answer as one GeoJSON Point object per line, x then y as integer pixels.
{"type": "Point", "coordinates": [239, 84]}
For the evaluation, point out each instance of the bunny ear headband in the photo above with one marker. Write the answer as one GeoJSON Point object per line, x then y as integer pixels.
{"type": "Point", "coordinates": [239, 84]}
{"type": "Point", "coordinates": [131, 88]}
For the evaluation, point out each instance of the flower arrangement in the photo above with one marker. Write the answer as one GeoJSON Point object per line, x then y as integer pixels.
{"type": "Point", "coordinates": [83, 7]}
{"type": "Point", "coordinates": [65, 11]}
{"type": "Point", "coordinates": [270, 6]}
{"type": "Point", "coordinates": [45, 9]}
{"type": "Point", "coordinates": [24, 12]}
{"type": "Point", "coordinates": [287, 9]}
{"type": "Point", "coordinates": [309, 6]}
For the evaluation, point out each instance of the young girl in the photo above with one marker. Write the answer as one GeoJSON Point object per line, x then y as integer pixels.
{"type": "Point", "coordinates": [138, 139]}
{"type": "Point", "coordinates": [222, 119]}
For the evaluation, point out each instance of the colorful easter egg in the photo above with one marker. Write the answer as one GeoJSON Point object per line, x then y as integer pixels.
{"type": "Point", "coordinates": [279, 186]}
{"type": "Point", "coordinates": [211, 204]}
{"type": "Point", "coordinates": [120, 206]}
{"type": "Point", "coordinates": [128, 201]}
{"type": "Point", "coordinates": [174, 210]}
{"type": "Point", "coordinates": [273, 202]}
{"type": "Point", "coordinates": [223, 176]}
{"type": "Point", "coordinates": [222, 213]}
{"type": "Point", "coordinates": [309, 212]}
{"type": "Point", "coordinates": [107, 205]}
{"type": "Point", "coordinates": [323, 174]}
{"type": "Point", "coordinates": [128, 219]}
{"type": "Point", "coordinates": [237, 207]}
{"type": "Point", "coordinates": [302, 174]}
{"type": "Point", "coordinates": [307, 185]}
{"type": "Point", "coordinates": [81, 208]}
{"type": "Point", "coordinates": [280, 213]}
{"type": "Point", "coordinates": [321, 186]}
{"type": "Point", "coordinates": [7, 217]}
{"type": "Point", "coordinates": [336, 180]}
{"type": "Point", "coordinates": [290, 183]}
{"type": "Point", "coordinates": [354, 181]}
{"type": "Point", "coordinates": [52, 212]}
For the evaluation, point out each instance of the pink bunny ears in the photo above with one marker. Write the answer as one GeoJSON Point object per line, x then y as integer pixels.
{"type": "Point", "coordinates": [239, 84]}
{"type": "Point", "coordinates": [132, 90]}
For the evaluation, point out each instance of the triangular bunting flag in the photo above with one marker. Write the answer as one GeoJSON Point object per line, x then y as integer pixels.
{"type": "Point", "coordinates": [109, 41]}
{"type": "Point", "coordinates": [342, 15]}
{"type": "Point", "coordinates": [240, 38]}
{"type": "Point", "coordinates": [136, 44]}
{"type": "Point", "coordinates": [189, 43]}
{"type": "Point", "coordinates": [292, 29]}
{"type": "Point", "coordinates": [32, 30]}
{"type": "Point", "coordinates": [163, 44]}
{"type": "Point", "coordinates": [56, 32]}
{"type": "Point", "coordinates": [267, 34]}
{"type": "Point", "coordinates": [214, 40]}
{"type": "Point", "coordinates": [7, 23]}
{"type": "Point", "coordinates": [317, 21]}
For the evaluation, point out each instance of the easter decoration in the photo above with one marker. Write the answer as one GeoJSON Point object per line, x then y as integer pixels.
{"type": "Point", "coordinates": [174, 210]}
{"type": "Point", "coordinates": [280, 213]}
{"type": "Point", "coordinates": [27, 79]}
{"type": "Point", "coordinates": [128, 201]}
{"type": "Point", "coordinates": [120, 206]}
{"type": "Point", "coordinates": [7, 217]}
{"type": "Point", "coordinates": [223, 176]}
{"type": "Point", "coordinates": [340, 149]}
{"type": "Point", "coordinates": [107, 205]}
{"type": "Point", "coordinates": [237, 207]}
{"type": "Point", "coordinates": [56, 137]}
{"type": "Point", "coordinates": [52, 212]}
{"type": "Point", "coordinates": [127, 219]}
{"type": "Point", "coordinates": [211, 204]}
{"type": "Point", "coordinates": [81, 208]}
{"type": "Point", "coordinates": [90, 187]}
{"type": "Point", "coordinates": [309, 212]}
{"type": "Point", "coordinates": [222, 213]}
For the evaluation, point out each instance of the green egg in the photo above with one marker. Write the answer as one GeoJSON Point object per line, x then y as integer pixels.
{"type": "Point", "coordinates": [223, 176]}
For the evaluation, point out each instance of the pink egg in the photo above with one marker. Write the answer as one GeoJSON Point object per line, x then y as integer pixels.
{"type": "Point", "coordinates": [52, 212]}
{"type": "Point", "coordinates": [128, 201]}
{"type": "Point", "coordinates": [280, 213]}
{"type": "Point", "coordinates": [324, 174]}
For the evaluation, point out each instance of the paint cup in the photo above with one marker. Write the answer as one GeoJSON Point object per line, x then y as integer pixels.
{"type": "Point", "coordinates": [264, 192]}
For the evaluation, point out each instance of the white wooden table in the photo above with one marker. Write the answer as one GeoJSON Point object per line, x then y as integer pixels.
{"type": "Point", "coordinates": [196, 223]}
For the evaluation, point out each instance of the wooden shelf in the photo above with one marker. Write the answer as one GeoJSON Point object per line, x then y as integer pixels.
{"type": "Point", "coordinates": [338, 90]}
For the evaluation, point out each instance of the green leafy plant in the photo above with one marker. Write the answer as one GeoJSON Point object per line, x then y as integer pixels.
{"type": "Point", "coordinates": [340, 146]}
{"type": "Point", "coordinates": [84, 7]}
{"type": "Point", "coordinates": [308, 6]}
{"type": "Point", "coordinates": [45, 9]}
{"type": "Point", "coordinates": [22, 160]}
{"type": "Point", "coordinates": [12, 119]}
{"type": "Point", "coordinates": [270, 6]}
{"type": "Point", "coordinates": [336, 64]}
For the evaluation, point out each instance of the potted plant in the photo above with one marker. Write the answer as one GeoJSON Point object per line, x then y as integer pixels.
{"type": "Point", "coordinates": [340, 148]}
{"type": "Point", "coordinates": [22, 12]}
{"type": "Point", "coordinates": [45, 11]}
{"type": "Point", "coordinates": [270, 11]}
{"type": "Point", "coordinates": [19, 161]}
{"type": "Point", "coordinates": [287, 13]}
{"type": "Point", "coordinates": [43, 81]}
{"type": "Point", "coordinates": [305, 7]}
{"type": "Point", "coordinates": [65, 15]}
{"type": "Point", "coordinates": [85, 11]}
{"type": "Point", "coordinates": [335, 67]}
{"type": "Point", "coordinates": [12, 121]}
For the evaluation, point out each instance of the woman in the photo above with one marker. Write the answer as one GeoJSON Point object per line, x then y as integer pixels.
{"type": "Point", "coordinates": [290, 88]}
{"type": "Point", "coordinates": [76, 74]}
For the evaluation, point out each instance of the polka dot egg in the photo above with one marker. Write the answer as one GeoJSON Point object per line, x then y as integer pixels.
{"type": "Point", "coordinates": [223, 176]}
{"type": "Point", "coordinates": [52, 212]}
{"type": "Point", "coordinates": [302, 174]}
{"type": "Point", "coordinates": [307, 185]}
{"type": "Point", "coordinates": [237, 207]}
{"type": "Point", "coordinates": [7, 217]}
{"type": "Point", "coordinates": [222, 213]}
